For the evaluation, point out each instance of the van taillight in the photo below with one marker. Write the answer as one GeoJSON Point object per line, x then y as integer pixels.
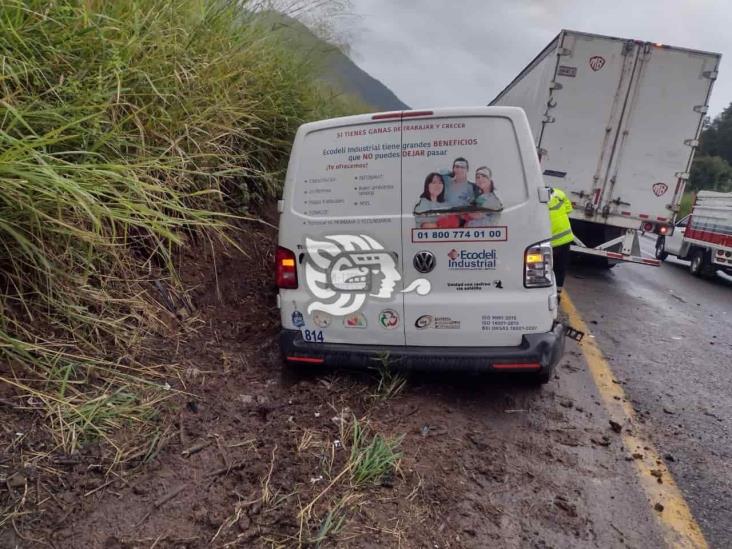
{"type": "Point", "coordinates": [538, 265]}
{"type": "Point", "coordinates": [285, 269]}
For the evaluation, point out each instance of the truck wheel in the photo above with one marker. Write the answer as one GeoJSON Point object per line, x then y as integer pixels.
{"type": "Point", "coordinates": [661, 253]}
{"type": "Point", "coordinates": [698, 261]}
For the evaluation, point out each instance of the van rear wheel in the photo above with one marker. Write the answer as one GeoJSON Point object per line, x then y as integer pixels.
{"type": "Point", "coordinates": [542, 378]}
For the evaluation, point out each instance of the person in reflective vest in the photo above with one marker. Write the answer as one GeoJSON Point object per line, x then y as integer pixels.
{"type": "Point", "coordinates": [559, 209]}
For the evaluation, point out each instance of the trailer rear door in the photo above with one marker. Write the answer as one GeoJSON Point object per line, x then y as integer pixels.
{"type": "Point", "coordinates": [591, 84]}
{"type": "Point", "coordinates": [662, 119]}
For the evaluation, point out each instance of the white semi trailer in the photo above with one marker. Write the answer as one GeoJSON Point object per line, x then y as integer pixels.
{"type": "Point", "coordinates": [615, 123]}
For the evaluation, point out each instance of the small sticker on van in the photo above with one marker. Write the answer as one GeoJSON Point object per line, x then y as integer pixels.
{"type": "Point", "coordinates": [297, 319]}
{"type": "Point", "coordinates": [356, 320]}
{"type": "Point", "coordinates": [321, 319]}
{"type": "Point", "coordinates": [424, 321]}
{"type": "Point", "coordinates": [389, 319]}
{"type": "Point", "coordinates": [436, 322]}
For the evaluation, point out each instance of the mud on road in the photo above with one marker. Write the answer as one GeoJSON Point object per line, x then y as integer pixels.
{"type": "Point", "coordinates": [255, 456]}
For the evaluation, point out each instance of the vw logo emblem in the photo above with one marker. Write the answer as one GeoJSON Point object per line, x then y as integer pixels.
{"type": "Point", "coordinates": [424, 261]}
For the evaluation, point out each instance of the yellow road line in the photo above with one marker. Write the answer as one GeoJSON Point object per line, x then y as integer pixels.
{"type": "Point", "coordinates": [678, 524]}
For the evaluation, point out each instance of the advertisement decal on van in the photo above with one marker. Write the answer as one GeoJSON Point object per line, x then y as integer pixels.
{"type": "Point", "coordinates": [342, 270]}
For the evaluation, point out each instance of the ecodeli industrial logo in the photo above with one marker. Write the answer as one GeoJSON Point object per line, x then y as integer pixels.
{"type": "Point", "coordinates": [471, 260]}
{"type": "Point", "coordinates": [343, 270]}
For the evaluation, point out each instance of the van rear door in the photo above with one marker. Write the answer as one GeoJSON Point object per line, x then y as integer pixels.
{"type": "Point", "coordinates": [342, 219]}
{"type": "Point", "coordinates": [468, 240]}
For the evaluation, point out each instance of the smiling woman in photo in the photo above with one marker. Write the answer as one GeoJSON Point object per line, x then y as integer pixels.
{"type": "Point", "coordinates": [433, 194]}
{"type": "Point", "coordinates": [431, 199]}
{"type": "Point", "coordinates": [485, 200]}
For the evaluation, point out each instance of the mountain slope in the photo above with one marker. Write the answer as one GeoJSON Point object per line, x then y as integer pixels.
{"type": "Point", "coordinates": [334, 67]}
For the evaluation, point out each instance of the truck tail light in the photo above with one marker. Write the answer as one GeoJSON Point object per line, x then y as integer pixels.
{"type": "Point", "coordinates": [662, 229]}
{"type": "Point", "coordinates": [538, 265]}
{"type": "Point", "coordinates": [285, 269]}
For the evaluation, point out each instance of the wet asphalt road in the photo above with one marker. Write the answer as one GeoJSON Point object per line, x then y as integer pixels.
{"type": "Point", "coordinates": [668, 338]}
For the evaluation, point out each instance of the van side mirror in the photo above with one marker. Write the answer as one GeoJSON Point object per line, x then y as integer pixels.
{"type": "Point", "coordinates": [544, 194]}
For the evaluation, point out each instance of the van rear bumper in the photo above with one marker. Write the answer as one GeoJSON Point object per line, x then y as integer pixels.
{"type": "Point", "coordinates": [537, 353]}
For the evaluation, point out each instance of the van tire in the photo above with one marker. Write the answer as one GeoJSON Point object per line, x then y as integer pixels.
{"type": "Point", "coordinates": [542, 378]}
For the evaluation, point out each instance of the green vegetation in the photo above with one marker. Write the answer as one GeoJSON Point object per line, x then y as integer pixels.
{"type": "Point", "coordinates": [711, 173]}
{"type": "Point", "coordinates": [712, 169]}
{"type": "Point", "coordinates": [687, 202]}
{"type": "Point", "coordinates": [332, 523]}
{"type": "Point", "coordinates": [127, 131]}
{"type": "Point", "coordinates": [371, 460]}
{"type": "Point", "coordinates": [390, 382]}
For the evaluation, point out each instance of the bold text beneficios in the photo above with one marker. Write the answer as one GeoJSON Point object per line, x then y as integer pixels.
{"type": "Point", "coordinates": [380, 151]}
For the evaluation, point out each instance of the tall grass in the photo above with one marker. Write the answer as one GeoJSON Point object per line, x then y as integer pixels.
{"type": "Point", "coordinates": [127, 131]}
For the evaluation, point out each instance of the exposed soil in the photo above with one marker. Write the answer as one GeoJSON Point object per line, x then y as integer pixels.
{"type": "Point", "coordinates": [485, 462]}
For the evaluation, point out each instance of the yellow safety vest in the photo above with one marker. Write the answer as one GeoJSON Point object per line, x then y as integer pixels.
{"type": "Point", "coordinates": [559, 208]}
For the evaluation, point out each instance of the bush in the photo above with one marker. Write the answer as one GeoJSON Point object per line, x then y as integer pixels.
{"type": "Point", "coordinates": [710, 173]}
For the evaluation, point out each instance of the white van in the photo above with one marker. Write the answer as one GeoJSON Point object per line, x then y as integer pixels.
{"type": "Point", "coordinates": [421, 238]}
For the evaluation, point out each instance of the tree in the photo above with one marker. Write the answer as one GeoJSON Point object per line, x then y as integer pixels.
{"type": "Point", "coordinates": [710, 172]}
{"type": "Point", "coordinates": [711, 168]}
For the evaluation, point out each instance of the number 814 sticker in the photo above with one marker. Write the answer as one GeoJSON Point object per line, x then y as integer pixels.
{"type": "Point", "coordinates": [482, 234]}
{"type": "Point", "coordinates": [313, 336]}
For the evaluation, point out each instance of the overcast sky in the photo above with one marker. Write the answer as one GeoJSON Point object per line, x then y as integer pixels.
{"type": "Point", "coordinates": [463, 52]}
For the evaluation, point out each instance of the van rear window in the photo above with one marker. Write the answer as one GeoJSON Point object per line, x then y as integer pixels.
{"type": "Point", "coordinates": [465, 170]}
{"type": "Point", "coordinates": [461, 172]}
{"type": "Point", "coordinates": [349, 171]}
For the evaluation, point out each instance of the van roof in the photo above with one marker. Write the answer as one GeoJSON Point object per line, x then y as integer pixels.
{"type": "Point", "coordinates": [420, 114]}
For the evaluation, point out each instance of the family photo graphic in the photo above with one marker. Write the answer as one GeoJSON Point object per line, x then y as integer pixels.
{"type": "Point", "coordinates": [450, 200]}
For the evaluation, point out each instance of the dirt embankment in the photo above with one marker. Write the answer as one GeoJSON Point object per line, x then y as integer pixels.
{"type": "Point", "coordinates": [251, 455]}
